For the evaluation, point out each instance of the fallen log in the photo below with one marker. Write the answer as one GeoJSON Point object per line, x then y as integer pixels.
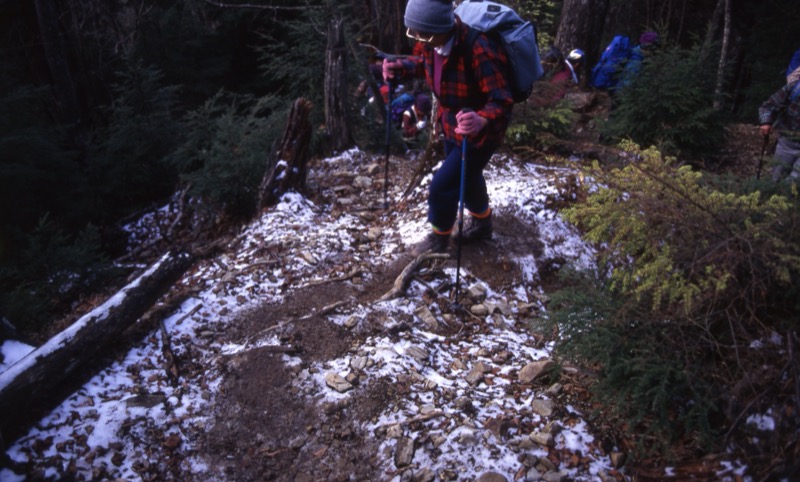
{"type": "Point", "coordinates": [40, 373]}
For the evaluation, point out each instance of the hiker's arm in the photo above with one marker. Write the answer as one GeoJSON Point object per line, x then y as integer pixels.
{"type": "Point", "coordinates": [409, 67]}
{"type": "Point", "coordinates": [489, 64]}
{"type": "Point", "coordinates": [775, 104]}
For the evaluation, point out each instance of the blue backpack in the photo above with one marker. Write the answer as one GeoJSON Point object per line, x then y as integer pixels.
{"type": "Point", "coordinates": [794, 63]}
{"type": "Point", "coordinates": [518, 37]}
{"type": "Point", "coordinates": [400, 105]}
{"type": "Point", "coordinates": [605, 75]}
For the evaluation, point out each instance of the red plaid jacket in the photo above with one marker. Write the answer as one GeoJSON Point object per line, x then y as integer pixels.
{"type": "Point", "coordinates": [481, 86]}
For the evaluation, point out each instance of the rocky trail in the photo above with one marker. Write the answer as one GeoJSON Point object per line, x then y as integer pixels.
{"type": "Point", "coordinates": [292, 367]}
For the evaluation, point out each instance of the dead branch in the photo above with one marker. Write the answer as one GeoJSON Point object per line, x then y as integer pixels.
{"type": "Point", "coordinates": [324, 311]}
{"type": "Point", "coordinates": [253, 5]}
{"type": "Point", "coordinates": [425, 164]}
{"type": "Point", "coordinates": [402, 281]}
{"type": "Point", "coordinates": [345, 277]}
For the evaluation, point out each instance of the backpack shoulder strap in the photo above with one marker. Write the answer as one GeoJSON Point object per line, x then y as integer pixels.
{"type": "Point", "coordinates": [469, 41]}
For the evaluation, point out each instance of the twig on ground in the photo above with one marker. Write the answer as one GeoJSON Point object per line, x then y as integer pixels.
{"type": "Point", "coordinates": [402, 281]}
{"type": "Point", "coordinates": [345, 277]}
{"type": "Point", "coordinates": [418, 418]}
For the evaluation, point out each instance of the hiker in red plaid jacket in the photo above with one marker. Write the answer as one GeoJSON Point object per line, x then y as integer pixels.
{"type": "Point", "coordinates": [460, 79]}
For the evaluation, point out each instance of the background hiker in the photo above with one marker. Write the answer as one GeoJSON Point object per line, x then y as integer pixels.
{"type": "Point", "coordinates": [558, 74]}
{"type": "Point", "coordinates": [459, 78]}
{"type": "Point", "coordinates": [415, 118]}
{"type": "Point", "coordinates": [574, 62]}
{"type": "Point", "coordinates": [781, 113]}
{"type": "Point", "coordinates": [648, 42]}
{"type": "Point", "coordinates": [620, 63]}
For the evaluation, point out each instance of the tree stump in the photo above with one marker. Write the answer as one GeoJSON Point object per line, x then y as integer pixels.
{"type": "Point", "coordinates": [287, 164]}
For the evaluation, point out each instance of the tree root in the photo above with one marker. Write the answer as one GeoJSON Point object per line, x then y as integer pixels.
{"type": "Point", "coordinates": [402, 281]}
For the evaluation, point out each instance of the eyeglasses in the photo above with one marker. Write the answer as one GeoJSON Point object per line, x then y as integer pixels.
{"type": "Point", "coordinates": [413, 34]}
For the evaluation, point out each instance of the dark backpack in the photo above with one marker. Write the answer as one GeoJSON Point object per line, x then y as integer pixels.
{"type": "Point", "coordinates": [794, 63]}
{"type": "Point", "coordinates": [400, 105]}
{"type": "Point", "coordinates": [605, 75]}
{"type": "Point", "coordinates": [517, 36]}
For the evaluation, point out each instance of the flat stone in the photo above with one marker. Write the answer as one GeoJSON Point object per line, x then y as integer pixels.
{"type": "Point", "coordinates": [543, 407]}
{"type": "Point", "coordinates": [544, 439]}
{"type": "Point", "coordinates": [491, 477]}
{"type": "Point", "coordinates": [404, 452]}
{"type": "Point", "coordinates": [336, 382]}
{"type": "Point", "coordinates": [535, 370]}
{"type": "Point", "coordinates": [474, 377]}
{"type": "Point", "coordinates": [479, 310]}
{"type": "Point", "coordinates": [427, 317]}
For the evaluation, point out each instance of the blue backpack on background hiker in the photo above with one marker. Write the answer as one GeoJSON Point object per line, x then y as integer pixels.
{"type": "Point", "coordinates": [518, 37]}
{"type": "Point", "coordinates": [794, 63]}
{"type": "Point", "coordinates": [400, 105]}
{"type": "Point", "coordinates": [606, 74]}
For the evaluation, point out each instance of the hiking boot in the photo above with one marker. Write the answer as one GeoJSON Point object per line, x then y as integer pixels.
{"type": "Point", "coordinates": [476, 229]}
{"type": "Point", "coordinates": [435, 243]}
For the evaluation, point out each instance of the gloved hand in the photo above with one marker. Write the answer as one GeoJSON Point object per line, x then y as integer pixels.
{"type": "Point", "coordinates": [392, 69]}
{"type": "Point", "coordinates": [469, 123]}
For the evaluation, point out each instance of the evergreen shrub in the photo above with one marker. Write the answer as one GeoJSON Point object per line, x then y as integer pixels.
{"type": "Point", "coordinates": [537, 124]}
{"type": "Point", "coordinates": [669, 104]}
{"type": "Point", "coordinates": [49, 271]}
{"type": "Point", "coordinates": [691, 275]}
{"type": "Point", "coordinates": [228, 142]}
{"type": "Point", "coordinates": [126, 167]}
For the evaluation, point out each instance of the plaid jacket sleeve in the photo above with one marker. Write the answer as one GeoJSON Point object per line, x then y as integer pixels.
{"type": "Point", "coordinates": [782, 102]}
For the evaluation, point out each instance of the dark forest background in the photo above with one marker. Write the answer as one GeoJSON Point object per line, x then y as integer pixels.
{"type": "Point", "coordinates": [110, 108]}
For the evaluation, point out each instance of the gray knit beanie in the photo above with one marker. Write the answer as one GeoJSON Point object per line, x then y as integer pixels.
{"type": "Point", "coordinates": [430, 16]}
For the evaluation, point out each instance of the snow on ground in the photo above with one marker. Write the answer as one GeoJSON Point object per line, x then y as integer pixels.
{"type": "Point", "coordinates": [107, 427]}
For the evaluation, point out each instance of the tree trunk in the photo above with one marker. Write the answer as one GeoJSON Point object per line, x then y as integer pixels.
{"type": "Point", "coordinates": [336, 100]}
{"type": "Point", "coordinates": [581, 26]}
{"type": "Point", "coordinates": [286, 166]}
{"type": "Point", "coordinates": [41, 372]}
{"type": "Point", "coordinates": [723, 57]}
{"type": "Point", "coordinates": [387, 16]}
{"type": "Point", "coordinates": [61, 77]}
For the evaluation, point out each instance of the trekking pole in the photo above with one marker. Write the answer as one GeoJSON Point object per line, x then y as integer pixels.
{"type": "Point", "coordinates": [761, 159]}
{"type": "Point", "coordinates": [461, 213]}
{"type": "Point", "coordinates": [388, 145]}
{"type": "Point", "coordinates": [390, 57]}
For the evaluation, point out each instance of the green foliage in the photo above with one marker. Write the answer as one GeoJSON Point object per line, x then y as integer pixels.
{"type": "Point", "coordinates": [544, 14]}
{"type": "Point", "coordinates": [669, 104]}
{"type": "Point", "coordinates": [683, 244]}
{"type": "Point", "coordinates": [127, 168]}
{"type": "Point", "coordinates": [653, 386]}
{"type": "Point", "coordinates": [225, 152]}
{"type": "Point", "coordinates": [693, 271]}
{"type": "Point", "coordinates": [294, 57]}
{"type": "Point", "coordinates": [554, 119]}
{"type": "Point", "coordinates": [50, 269]}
